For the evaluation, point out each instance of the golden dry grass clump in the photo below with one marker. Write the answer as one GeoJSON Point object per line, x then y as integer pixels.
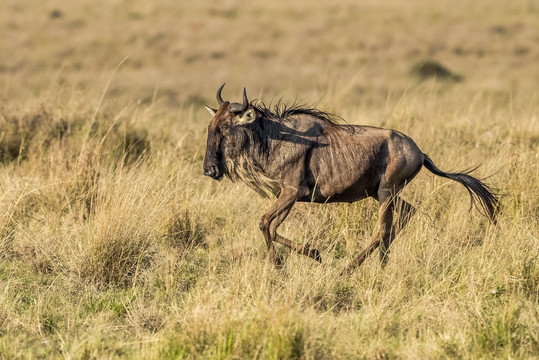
{"type": "Point", "coordinates": [113, 244]}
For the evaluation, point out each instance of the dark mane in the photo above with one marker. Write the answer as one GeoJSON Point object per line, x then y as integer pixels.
{"type": "Point", "coordinates": [281, 111]}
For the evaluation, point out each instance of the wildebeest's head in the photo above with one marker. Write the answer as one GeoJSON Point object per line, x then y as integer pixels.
{"type": "Point", "coordinates": [226, 133]}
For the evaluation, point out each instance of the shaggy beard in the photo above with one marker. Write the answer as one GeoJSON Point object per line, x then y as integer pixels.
{"type": "Point", "coordinates": [249, 173]}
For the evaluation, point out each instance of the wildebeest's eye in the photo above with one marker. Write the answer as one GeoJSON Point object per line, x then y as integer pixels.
{"type": "Point", "coordinates": [225, 127]}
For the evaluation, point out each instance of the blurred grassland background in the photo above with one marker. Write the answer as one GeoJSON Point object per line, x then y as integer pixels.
{"type": "Point", "coordinates": [113, 244]}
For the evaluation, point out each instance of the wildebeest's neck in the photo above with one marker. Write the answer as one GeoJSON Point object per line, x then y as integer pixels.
{"type": "Point", "coordinates": [273, 139]}
{"type": "Point", "coordinates": [271, 149]}
{"type": "Point", "coordinates": [262, 153]}
{"type": "Point", "coordinates": [247, 155]}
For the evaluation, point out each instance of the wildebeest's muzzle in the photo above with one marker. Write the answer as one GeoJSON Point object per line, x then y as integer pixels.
{"type": "Point", "coordinates": [213, 157]}
{"type": "Point", "coordinates": [213, 172]}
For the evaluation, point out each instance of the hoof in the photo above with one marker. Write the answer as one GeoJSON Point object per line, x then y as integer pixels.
{"type": "Point", "coordinates": [348, 270]}
{"type": "Point", "coordinates": [315, 254]}
{"type": "Point", "coordinates": [312, 253]}
{"type": "Point", "coordinates": [384, 258]}
{"type": "Point", "coordinates": [277, 262]}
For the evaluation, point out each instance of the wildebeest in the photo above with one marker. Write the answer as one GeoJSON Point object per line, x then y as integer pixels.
{"type": "Point", "coordinates": [302, 154]}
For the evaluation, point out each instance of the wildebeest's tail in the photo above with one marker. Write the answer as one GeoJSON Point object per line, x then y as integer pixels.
{"type": "Point", "coordinates": [478, 190]}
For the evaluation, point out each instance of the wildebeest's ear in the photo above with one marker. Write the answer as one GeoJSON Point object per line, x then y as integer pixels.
{"type": "Point", "coordinates": [210, 110]}
{"type": "Point", "coordinates": [247, 117]}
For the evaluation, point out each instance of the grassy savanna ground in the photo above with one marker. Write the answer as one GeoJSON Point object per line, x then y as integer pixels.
{"type": "Point", "coordinates": [113, 244]}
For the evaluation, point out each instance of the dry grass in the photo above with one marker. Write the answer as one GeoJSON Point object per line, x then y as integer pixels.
{"type": "Point", "coordinates": [113, 245]}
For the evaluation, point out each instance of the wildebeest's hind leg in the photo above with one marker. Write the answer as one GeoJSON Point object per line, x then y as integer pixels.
{"type": "Point", "coordinates": [405, 212]}
{"type": "Point", "coordinates": [383, 232]}
{"type": "Point", "coordinates": [299, 248]}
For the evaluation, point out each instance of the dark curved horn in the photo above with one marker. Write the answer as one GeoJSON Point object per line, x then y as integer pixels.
{"type": "Point", "coordinates": [219, 98]}
{"type": "Point", "coordinates": [245, 101]}
{"type": "Point", "coordinates": [235, 107]}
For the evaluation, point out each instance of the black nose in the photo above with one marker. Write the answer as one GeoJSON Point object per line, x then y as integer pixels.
{"type": "Point", "coordinates": [211, 171]}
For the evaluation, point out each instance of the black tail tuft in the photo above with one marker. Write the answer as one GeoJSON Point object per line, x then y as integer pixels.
{"type": "Point", "coordinates": [479, 191]}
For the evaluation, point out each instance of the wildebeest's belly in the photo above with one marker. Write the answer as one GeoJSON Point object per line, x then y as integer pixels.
{"type": "Point", "coordinates": [349, 197]}
{"type": "Point", "coordinates": [363, 188]}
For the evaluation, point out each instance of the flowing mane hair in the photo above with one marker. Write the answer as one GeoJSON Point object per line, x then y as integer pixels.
{"type": "Point", "coordinates": [281, 111]}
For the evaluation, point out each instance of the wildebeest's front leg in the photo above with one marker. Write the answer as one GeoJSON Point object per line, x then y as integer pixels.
{"type": "Point", "coordinates": [303, 249]}
{"type": "Point", "coordinates": [274, 217]}
{"type": "Point", "coordinates": [284, 203]}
